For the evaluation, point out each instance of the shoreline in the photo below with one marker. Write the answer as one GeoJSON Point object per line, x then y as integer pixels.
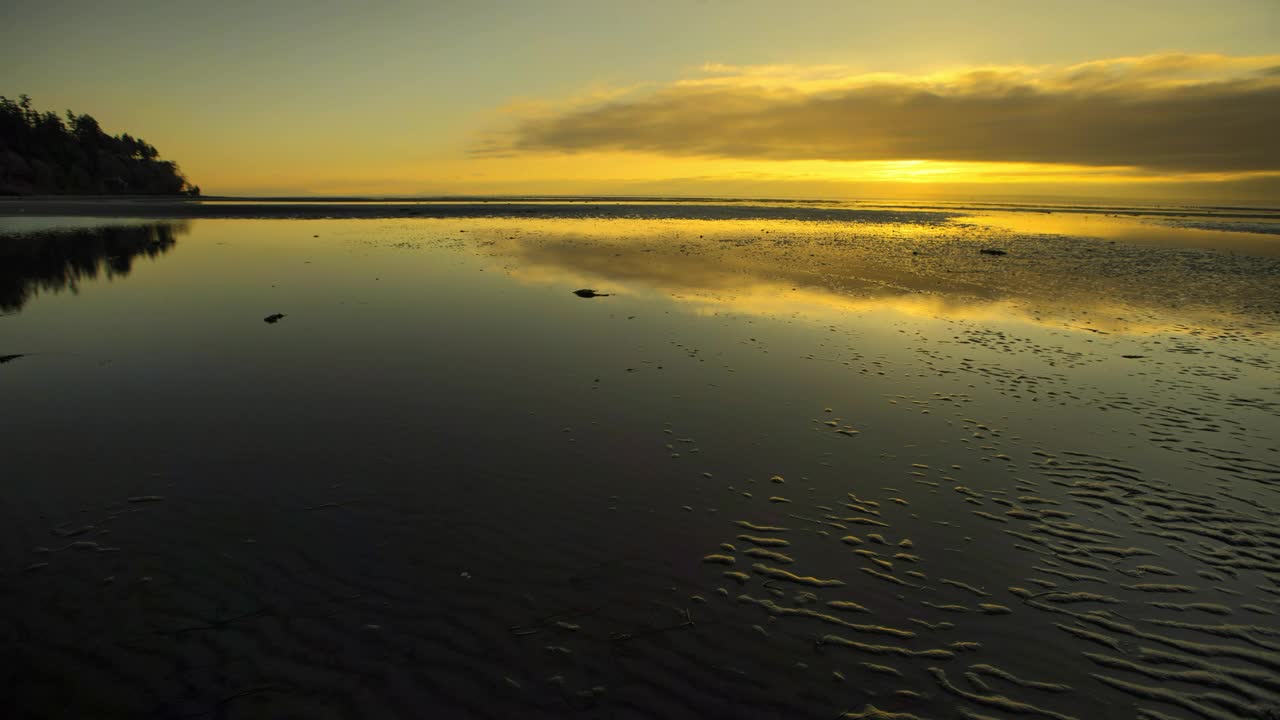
{"type": "Point", "coordinates": [573, 206]}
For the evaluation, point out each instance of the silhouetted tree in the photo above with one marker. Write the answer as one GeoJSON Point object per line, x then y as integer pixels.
{"type": "Point", "coordinates": [43, 153]}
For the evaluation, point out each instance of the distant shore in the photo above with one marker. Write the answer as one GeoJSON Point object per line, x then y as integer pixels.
{"type": "Point", "coordinates": [179, 207]}
{"type": "Point", "coordinates": [323, 209]}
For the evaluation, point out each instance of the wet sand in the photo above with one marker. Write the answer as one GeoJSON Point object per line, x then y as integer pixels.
{"type": "Point", "coordinates": [790, 466]}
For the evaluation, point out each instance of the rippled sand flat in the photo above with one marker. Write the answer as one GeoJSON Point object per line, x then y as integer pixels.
{"type": "Point", "coordinates": [808, 461]}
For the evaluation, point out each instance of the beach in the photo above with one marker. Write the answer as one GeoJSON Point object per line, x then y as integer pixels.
{"type": "Point", "coordinates": [787, 459]}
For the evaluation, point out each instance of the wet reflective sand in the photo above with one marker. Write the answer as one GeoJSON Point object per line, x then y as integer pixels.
{"type": "Point", "coordinates": [801, 466]}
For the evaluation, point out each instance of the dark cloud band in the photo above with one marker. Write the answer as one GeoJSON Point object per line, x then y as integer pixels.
{"type": "Point", "coordinates": [1222, 126]}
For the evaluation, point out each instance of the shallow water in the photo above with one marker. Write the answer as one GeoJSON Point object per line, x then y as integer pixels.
{"type": "Point", "coordinates": [788, 467]}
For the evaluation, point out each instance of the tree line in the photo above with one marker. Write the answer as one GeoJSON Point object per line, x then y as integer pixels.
{"type": "Point", "coordinates": [45, 153]}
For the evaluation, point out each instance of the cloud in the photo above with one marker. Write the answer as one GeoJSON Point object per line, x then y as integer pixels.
{"type": "Point", "coordinates": [1163, 113]}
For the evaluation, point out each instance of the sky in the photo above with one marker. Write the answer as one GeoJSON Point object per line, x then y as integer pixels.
{"type": "Point", "coordinates": [1099, 99]}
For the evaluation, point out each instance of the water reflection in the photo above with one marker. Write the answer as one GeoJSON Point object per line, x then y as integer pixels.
{"type": "Point", "coordinates": [58, 260]}
{"type": "Point", "coordinates": [1252, 235]}
{"type": "Point", "coordinates": [442, 463]}
{"type": "Point", "coordinates": [922, 270]}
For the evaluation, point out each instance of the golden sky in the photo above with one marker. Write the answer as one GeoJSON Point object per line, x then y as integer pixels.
{"type": "Point", "coordinates": [1170, 100]}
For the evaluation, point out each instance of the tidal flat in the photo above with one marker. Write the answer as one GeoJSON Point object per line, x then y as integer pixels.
{"type": "Point", "coordinates": [802, 460]}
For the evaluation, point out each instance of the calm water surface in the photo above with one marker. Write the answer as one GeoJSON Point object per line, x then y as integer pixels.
{"type": "Point", "coordinates": [786, 467]}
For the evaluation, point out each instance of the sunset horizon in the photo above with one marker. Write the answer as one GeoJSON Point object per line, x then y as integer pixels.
{"type": "Point", "coordinates": [845, 102]}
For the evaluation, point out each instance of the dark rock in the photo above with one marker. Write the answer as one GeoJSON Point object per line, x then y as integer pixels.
{"type": "Point", "coordinates": [993, 251]}
{"type": "Point", "coordinates": [589, 293]}
{"type": "Point", "coordinates": [8, 358]}
{"type": "Point", "coordinates": [273, 319]}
